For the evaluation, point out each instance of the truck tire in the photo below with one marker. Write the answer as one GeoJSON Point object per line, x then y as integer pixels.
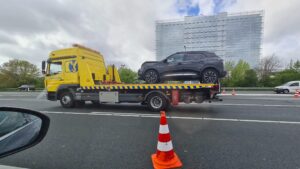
{"type": "Point", "coordinates": [67, 100]}
{"type": "Point", "coordinates": [157, 102]}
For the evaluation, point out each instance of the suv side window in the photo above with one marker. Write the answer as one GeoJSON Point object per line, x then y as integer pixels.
{"type": "Point", "coordinates": [295, 84]}
{"type": "Point", "coordinates": [175, 58]}
{"type": "Point", "coordinates": [193, 57]}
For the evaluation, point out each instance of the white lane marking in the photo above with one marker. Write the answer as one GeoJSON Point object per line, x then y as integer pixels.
{"type": "Point", "coordinates": [174, 117]}
{"type": "Point", "coordinates": [164, 146]}
{"type": "Point", "coordinates": [260, 105]}
{"type": "Point", "coordinates": [9, 167]}
{"type": "Point", "coordinates": [257, 94]}
{"type": "Point", "coordinates": [243, 104]}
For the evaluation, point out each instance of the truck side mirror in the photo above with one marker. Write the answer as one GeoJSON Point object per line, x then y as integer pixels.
{"type": "Point", "coordinates": [43, 67]}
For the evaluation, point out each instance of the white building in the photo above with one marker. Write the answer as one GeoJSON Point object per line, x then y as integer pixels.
{"type": "Point", "coordinates": [231, 36]}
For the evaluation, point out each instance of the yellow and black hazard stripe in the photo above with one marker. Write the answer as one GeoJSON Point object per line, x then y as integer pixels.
{"type": "Point", "coordinates": [148, 86]}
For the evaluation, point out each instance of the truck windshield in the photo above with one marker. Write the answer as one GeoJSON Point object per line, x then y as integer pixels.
{"type": "Point", "coordinates": [54, 68]}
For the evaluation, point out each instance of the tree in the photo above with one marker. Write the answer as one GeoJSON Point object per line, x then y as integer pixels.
{"type": "Point", "coordinates": [285, 76]}
{"type": "Point", "coordinates": [127, 75]}
{"type": "Point", "coordinates": [250, 79]}
{"type": "Point", "coordinates": [296, 66]}
{"type": "Point", "coordinates": [17, 72]}
{"type": "Point", "coordinates": [239, 72]}
{"type": "Point", "coordinates": [229, 66]}
{"type": "Point", "coordinates": [268, 65]}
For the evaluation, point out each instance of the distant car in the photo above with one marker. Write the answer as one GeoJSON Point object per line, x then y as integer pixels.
{"type": "Point", "coordinates": [204, 66]}
{"type": "Point", "coordinates": [26, 87]}
{"type": "Point", "coordinates": [289, 87]}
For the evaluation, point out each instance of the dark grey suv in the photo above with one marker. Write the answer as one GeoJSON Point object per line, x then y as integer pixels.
{"type": "Point", "coordinates": [196, 65]}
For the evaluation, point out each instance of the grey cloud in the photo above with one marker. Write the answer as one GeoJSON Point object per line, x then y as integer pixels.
{"type": "Point", "coordinates": [123, 31]}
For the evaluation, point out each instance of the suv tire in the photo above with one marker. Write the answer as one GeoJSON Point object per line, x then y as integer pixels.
{"type": "Point", "coordinates": [151, 76]}
{"type": "Point", "coordinates": [209, 76]}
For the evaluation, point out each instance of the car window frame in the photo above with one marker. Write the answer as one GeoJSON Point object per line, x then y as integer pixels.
{"type": "Point", "coordinates": [292, 85]}
{"type": "Point", "coordinates": [183, 55]}
{"type": "Point", "coordinates": [199, 56]}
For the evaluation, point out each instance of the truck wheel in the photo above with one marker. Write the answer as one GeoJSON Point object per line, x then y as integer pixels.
{"type": "Point", "coordinates": [67, 100]}
{"type": "Point", "coordinates": [151, 76]}
{"type": "Point", "coordinates": [157, 102]}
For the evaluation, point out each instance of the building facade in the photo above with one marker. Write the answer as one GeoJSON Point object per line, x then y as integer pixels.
{"type": "Point", "coordinates": [233, 37]}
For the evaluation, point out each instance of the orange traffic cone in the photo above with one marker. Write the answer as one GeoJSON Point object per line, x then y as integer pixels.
{"type": "Point", "coordinates": [165, 156]}
{"type": "Point", "coordinates": [233, 93]}
{"type": "Point", "coordinates": [297, 94]}
{"type": "Point", "coordinates": [223, 91]}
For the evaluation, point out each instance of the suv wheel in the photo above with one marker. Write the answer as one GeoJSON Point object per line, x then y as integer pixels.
{"type": "Point", "coordinates": [151, 76]}
{"type": "Point", "coordinates": [209, 76]}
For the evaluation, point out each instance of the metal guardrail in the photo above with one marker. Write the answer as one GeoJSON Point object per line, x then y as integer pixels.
{"type": "Point", "coordinates": [16, 89]}
{"type": "Point", "coordinates": [250, 88]}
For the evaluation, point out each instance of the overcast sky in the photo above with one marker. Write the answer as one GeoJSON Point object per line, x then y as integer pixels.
{"type": "Point", "coordinates": [124, 31]}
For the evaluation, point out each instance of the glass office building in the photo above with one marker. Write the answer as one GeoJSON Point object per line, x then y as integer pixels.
{"type": "Point", "coordinates": [231, 36]}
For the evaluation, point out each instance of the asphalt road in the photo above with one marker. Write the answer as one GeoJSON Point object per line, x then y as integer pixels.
{"type": "Point", "coordinates": [250, 130]}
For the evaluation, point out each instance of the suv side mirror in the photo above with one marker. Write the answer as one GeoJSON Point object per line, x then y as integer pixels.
{"type": "Point", "coordinates": [20, 129]}
{"type": "Point", "coordinates": [44, 67]}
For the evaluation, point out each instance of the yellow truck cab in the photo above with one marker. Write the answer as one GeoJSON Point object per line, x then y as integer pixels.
{"type": "Point", "coordinates": [79, 74]}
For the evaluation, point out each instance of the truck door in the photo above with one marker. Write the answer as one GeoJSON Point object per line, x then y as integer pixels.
{"type": "Point", "coordinates": [54, 75]}
{"type": "Point", "coordinates": [70, 72]}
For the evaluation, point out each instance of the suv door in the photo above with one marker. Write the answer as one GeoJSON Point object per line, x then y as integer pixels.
{"type": "Point", "coordinates": [193, 62]}
{"type": "Point", "coordinates": [172, 62]}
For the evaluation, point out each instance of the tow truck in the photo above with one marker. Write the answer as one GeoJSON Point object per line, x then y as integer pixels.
{"type": "Point", "coordinates": [79, 74]}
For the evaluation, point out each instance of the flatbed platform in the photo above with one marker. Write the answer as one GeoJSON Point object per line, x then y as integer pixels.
{"type": "Point", "coordinates": [147, 86]}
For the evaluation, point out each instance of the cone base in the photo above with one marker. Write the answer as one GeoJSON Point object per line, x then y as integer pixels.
{"type": "Point", "coordinates": [173, 163]}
